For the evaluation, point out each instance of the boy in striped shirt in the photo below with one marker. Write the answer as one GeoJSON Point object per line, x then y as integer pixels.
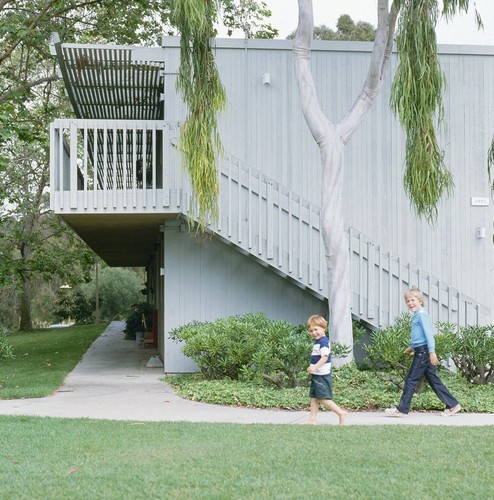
{"type": "Point", "coordinates": [320, 370]}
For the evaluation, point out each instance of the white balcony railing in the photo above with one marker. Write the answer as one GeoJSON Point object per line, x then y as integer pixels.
{"type": "Point", "coordinates": [101, 164]}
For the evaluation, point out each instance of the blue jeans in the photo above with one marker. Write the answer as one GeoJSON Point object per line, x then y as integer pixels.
{"type": "Point", "coordinates": [422, 366]}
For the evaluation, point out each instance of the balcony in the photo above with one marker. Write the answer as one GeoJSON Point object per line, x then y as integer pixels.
{"type": "Point", "coordinates": [104, 168]}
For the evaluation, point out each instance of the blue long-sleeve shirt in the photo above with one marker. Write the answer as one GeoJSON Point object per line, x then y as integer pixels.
{"type": "Point", "coordinates": [422, 331]}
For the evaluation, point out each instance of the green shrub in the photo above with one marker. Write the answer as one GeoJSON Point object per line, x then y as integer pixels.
{"type": "Point", "coordinates": [470, 347]}
{"type": "Point", "coordinates": [223, 347]}
{"type": "Point", "coordinates": [359, 330]}
{"type": "Point", "coordinates": [282, 355]}
{"type": "Point", "coordinates": [385, 352]}
{"type": "Point", "coordinates": [251, 347]}
{"type": "Point", "coordinates": [472, 350]}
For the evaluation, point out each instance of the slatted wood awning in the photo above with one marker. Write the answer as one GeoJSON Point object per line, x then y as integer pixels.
{"type": "Point", "coordinates": [107, 82]}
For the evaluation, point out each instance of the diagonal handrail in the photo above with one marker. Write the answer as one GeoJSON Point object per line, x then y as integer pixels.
{"type": "Point", "coordinates": [282, 230]}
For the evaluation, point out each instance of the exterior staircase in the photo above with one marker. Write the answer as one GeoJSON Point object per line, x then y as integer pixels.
{"type": "Point", "coordinates": [117, 166]}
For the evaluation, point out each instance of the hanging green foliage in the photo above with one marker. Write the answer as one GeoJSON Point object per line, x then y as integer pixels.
{"type": "Point", "coordinates": [205, 96]}
{"type": "Point", "coordinates": [416, 97]}
{"type": "Point", "coordinates": [452, 7]}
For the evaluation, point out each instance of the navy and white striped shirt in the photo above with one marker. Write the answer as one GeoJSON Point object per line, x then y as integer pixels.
{"type": "Point", "coordinates": [321, 348]}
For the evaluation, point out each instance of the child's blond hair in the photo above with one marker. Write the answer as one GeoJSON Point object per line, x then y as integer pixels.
{"type": "Point", "coordinates": [415, 292]}
{"type": "Point", "coordinates": [317, 320]}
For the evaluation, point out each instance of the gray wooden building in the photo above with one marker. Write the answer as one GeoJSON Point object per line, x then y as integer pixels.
{"type": "Point", "coordinates": [116, 179]}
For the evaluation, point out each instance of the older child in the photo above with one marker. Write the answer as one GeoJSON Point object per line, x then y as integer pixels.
{"type": "Point", "coordinates": [424, 362]}
{"type": "Point", "coordinates": [320, 371]}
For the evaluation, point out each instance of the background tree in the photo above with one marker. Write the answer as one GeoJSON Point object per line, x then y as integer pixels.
{"type": "Point", "coordinates": [34, 244]}
{"type": "Point", "coordinates": [249, 16]}
{"type": "Point", "coordinates": [416, 98]}
{"type": "Point", "coordinates": [25, 28]}
{"type": "Point", "coordinates": [119, 288]}
{"type": "Point", "coordinates": [346, 30]}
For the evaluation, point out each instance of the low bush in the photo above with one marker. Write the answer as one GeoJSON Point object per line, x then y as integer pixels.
{"type": "Point", "coordinates": [472, 350]}
{"type": "Point", "coordinates": [250, 347]}
{"type": "Point", "coordinates": [220, 348]}
{"type": "Point", "coordinates": [385, 356]}
{"type": "Point", "coordinates": [385, 352]}
{"type": "Point", "coordinates": [242, 346]}
{"type": "Point", "coordinates": [470, 347]}
{"type": "Point", "coordinates": [282, 355]}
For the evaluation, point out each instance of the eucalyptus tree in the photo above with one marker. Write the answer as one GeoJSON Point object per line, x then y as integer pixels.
{"type": "Point", "coordinates": [416, 99]}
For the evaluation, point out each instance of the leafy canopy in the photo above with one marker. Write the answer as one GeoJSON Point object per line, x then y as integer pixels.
{"type": "Point", "coordinates": [346, 30]}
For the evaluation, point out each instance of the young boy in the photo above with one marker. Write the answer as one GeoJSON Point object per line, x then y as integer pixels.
{"type": "Point", "coordinates": [320, 370]}
{"type": "Point", "coordinates": [424, 362]}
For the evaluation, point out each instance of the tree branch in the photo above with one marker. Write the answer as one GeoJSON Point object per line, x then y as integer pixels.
{"type": "Point", "coordinates": [45, 12]}
{"type": "Point", "coordinates": [26, 86]}
{"type": "Point", "coordinates": [315, 118]}
{"type": "Point", "coordinates": [381, 53]}
{"type": "Point", "coordinates": [33, 24]}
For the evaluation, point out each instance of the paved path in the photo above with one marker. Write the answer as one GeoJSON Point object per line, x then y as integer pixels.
{"type": "Point", "coordinates": [112, 382]}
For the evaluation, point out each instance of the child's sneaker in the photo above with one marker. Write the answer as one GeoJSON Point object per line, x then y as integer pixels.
{"type": "Point", "coordinates": [451, 411]}
{"type": "Point", "coordinates": [393, 412]}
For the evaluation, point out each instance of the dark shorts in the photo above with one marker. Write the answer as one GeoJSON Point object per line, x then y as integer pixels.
{"type": "Point", "coordinates": [320, 387]}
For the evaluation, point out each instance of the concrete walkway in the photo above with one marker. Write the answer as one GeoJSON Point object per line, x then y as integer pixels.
{"type": "Point", "coordinates": [112, 382]}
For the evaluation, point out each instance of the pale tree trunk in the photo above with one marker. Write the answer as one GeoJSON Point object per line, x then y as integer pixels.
{"type": "Point", "coordinates": [331, 139]}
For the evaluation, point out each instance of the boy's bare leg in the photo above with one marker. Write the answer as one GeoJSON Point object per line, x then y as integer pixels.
{"type": "Point", "coordinates": [331, 405]}
{"type": "Point", "coordinates": [314, 408]}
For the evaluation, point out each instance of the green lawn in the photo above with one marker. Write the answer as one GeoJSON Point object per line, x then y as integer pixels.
{"type": "Point", "coordinates": [43, 358]}
{"type": "Point", "coordinates": [79, 459]}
